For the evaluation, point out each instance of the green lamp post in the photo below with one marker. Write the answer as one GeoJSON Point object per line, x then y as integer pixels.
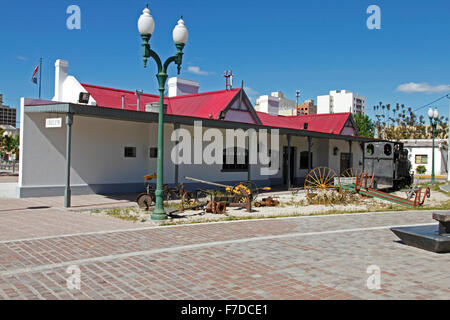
{"type": "Point", "coordinates": [433, 115]}
{"type": "Point", "coordinates": [146, 26]}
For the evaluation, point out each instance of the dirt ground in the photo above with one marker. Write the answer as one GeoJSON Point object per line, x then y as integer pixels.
{"type": "Point", "coordinates": [290, 205]}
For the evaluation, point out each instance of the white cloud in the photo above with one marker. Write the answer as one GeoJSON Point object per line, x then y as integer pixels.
{"type": "Point", "coordinates": [196, 70]}
{"type": "Point", "coordinates": [21, 58]}
{"type": "Point", "coordinates": [413, 87]}
{"type": "Point", "coordinates": [250, 91]}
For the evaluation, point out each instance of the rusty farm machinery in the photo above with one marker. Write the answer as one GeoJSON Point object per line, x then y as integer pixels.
{"type": "Point", "coordinates": [240, 195]}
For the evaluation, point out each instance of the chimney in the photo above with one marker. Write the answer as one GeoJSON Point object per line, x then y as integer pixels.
{"type": "Point", "coordinates": [61, 72]}
{"type": "Point", "coordinates": [180, 87]}
{"type": "Point", "coordinates": [269, 105]}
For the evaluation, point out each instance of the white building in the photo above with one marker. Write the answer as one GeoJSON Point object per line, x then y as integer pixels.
{"type": "Point", "coordinates": [111, 145]}
{"type": "Point", "coordinates": [341, 101]}
{"type": "Point", "coordinates": [421, 153]}
{"type": "Point", "coordinates": [277, 100]}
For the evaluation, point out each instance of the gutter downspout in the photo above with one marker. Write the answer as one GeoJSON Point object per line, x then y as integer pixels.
{"type": "Point", "coordinates": [68, 192]}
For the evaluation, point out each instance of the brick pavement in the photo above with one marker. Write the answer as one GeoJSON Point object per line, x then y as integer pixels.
{"type": "Point", "coordinates": [29, 218]}
{"type": "Point", "coordinates": [323, 257]}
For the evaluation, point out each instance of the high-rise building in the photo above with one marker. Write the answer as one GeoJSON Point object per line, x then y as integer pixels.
{"type": "Point", "coordinates": [308, 107]}
{"type": "Point", "coordinates": [7, 114]}
{"type": "Point", "coordinates": [341, 101]}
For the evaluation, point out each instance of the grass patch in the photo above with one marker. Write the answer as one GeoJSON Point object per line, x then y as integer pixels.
{"type": "Point", "coordinates": [122, 213]}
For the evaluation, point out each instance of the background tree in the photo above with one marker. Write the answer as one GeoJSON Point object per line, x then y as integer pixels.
{"type": "Point", "coordinates": [405, 124]}
{"type": "Point", "coordinates": [365, 125]}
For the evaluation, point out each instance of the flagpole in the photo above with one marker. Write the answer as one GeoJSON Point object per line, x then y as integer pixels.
{"type": "Point", "coordinates": [40, 77]}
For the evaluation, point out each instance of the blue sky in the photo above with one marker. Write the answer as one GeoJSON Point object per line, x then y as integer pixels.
{"type": "Point", "coordinates": [314, 46]}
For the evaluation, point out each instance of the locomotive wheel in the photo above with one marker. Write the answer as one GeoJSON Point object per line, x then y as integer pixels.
{"type": "Point", "coordinates": [145, 201]}
{"type": "Point", "coordinates": [319, 183]}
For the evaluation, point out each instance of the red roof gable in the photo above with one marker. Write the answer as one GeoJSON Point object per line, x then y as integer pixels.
{"type": "Point", "coordinates": [200, 105]}
{"type": "Point", "coordinates": [327, 123]}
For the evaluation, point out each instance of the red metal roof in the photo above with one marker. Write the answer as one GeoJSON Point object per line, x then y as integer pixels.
{"type": "Point", "coordinates": [327, 123]}
{"type": "Point", "coordinates": [210, 104]}
{"type": "Point", "coordinates": [112, 98]}
{"type": "Point", "coordinates": [200, 105]}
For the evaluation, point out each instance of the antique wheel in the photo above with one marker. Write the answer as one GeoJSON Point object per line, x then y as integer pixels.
{"type": "Point", "coordinates": [242, 193]}
{"type": "Point", "coordinates": [319, 185]}
{"type": "Point", "coordinates": [251, 188]}
{"type": "Point", "coordinates": [352, 173]}
{"type": "Point", "coordinates": [145, 201]}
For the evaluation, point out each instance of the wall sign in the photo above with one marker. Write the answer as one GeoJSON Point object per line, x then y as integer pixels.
{"type": "Point", "coordinates": [53, 123]}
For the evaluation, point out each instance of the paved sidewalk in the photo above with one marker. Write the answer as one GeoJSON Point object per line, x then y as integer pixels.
{"type": "Point", "coordinates": [320, 257]}
{"type": "Point", "coordinates": [28, 218]}
{"type": "Point", "coordinates": [445, 187]}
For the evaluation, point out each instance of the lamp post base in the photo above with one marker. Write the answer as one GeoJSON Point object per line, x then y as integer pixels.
{"type": "Point", "coordinates": [159, 216]}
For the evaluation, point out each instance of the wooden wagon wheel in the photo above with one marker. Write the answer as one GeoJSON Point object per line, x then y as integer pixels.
{"type": "Point", "coordinates": [352, 173]}
{"type": "Point", "coordinates": [319, 182]}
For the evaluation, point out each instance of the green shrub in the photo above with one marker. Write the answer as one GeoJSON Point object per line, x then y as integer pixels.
{"type": "Point", "coordinates": [421, 169]}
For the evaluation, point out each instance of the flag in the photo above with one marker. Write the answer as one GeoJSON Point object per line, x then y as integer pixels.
{"type": "Point", "coordinates": [34, 78]}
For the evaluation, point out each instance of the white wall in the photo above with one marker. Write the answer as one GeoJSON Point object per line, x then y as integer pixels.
{"type": "Point", "coordinates": [438, 165]}
{"type": "Point", "coordinates": [97, 152]}
{"type": "Point", "coordinates": [268, 104]}
{"type": "Point", "coordinates": [323, 104]}
{"type": "Point", "coordinates": [98, 161]}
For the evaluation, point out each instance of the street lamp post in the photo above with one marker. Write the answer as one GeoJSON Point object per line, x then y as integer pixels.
{"type": "Point", "coordinates": [146, 26]}
{"type": "Point", "coordinates": [433, 115]}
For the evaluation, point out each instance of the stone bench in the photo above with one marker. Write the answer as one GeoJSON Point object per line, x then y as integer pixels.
{"type": "Point", "coordinates": [444, 222]}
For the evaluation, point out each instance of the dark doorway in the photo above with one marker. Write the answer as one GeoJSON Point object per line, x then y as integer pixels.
{"type": "Point", "coordinates": [285, 165]}
{"type": "Point", "coordinates": [345, 161]}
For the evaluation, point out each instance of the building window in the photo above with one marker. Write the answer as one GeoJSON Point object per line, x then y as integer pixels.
{"type": "Point", "coordinates": [233, 155]}
{"type": "Point", "coordinates": [130, 152]}
{"type": "Point", "coordinates": [304, 155]}
{"type": "Point", "coordinates": [421, 159]}
{"type": "Point", "coordinates": [153, 153]}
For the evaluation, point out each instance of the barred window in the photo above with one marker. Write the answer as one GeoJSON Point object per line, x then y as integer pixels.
{"type": "Point", "coordinates": [231, 159]}
{"type": "Point", "coordinates": [130, 152]}
{"type": "Point", "coordinates": [422, 159]}
{"type": "Point", "coordinates": [304, 160]}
